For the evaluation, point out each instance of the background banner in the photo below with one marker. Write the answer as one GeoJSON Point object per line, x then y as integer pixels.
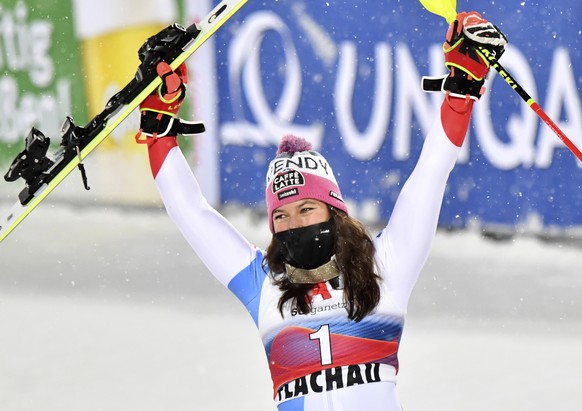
{"type": "Point", "coordinates": [40, 65]}
{"type": "Point", "coordinates": [346, 76]}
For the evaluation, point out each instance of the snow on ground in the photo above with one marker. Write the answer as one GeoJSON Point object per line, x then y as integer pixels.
{"type": "Point", "coordinates": [108, 309]}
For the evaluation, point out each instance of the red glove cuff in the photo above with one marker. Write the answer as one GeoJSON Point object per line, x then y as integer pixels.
{"type": "Point", "coordinates": [170, 94]}
{"type": "Point", "coordinates": [463, 61]}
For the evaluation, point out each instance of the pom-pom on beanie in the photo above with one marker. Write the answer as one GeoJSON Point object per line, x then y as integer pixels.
{"type": "Point", "coordinates": [298, 172]}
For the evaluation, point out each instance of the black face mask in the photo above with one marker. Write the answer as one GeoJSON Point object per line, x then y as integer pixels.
{"type": "Point", "coordinates": [308, 247]}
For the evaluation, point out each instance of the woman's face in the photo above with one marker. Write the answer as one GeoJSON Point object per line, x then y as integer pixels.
{"type": "Point", "coordinates": [300, 213]}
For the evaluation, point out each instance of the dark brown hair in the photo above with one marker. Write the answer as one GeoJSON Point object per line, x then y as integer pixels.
{"type": "Point", "coordinates": [354, 253]}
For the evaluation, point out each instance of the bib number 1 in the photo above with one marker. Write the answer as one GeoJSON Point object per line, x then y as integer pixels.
{"type": "Point", "coordinates": [324, 338]}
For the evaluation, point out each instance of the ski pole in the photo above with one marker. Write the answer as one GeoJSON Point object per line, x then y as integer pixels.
{"type": "Point", "coordinates": [530, 102]}
{"type": "Point", "coordinates": [447, 9]}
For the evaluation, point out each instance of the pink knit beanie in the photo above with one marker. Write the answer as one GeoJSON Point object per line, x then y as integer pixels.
{"type": "Point", "coordinates": [296, 173]}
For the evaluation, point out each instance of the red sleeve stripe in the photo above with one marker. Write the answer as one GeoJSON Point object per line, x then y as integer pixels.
{"type": "Point", "coordinates": [158, 150]}
{"type": "Point", "coordinates": [455, 118]}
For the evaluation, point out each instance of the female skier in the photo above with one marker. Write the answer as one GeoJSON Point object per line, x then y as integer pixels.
{"type": "Point", "coordinates": [328, 300]}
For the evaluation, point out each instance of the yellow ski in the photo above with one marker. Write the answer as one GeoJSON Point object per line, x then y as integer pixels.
{"type": "Point", "coordinates": [44, 173]}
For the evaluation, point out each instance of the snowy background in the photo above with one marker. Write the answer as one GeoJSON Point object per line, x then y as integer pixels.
{"type": "Point", "coordinates": [105, 308]}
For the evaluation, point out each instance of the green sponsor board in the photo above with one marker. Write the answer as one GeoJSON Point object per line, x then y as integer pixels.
{"type": "Point", "coordinates": [41, 79]}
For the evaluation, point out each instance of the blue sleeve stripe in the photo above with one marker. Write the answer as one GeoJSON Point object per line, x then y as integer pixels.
{"type": "Point", "coordinates": [297, 404]}
{"type": "Point", "coordinates": [248, 284]}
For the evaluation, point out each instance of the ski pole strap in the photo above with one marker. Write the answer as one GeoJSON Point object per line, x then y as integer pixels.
{"type": "Point", "coordinates": [433, 84]}
{"type": "Point", "coordinates": [158, 124]}
{"type": "Point", "coordinates": [457, 86]}
{"type": "Point", "coordinates": [187, 128]}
